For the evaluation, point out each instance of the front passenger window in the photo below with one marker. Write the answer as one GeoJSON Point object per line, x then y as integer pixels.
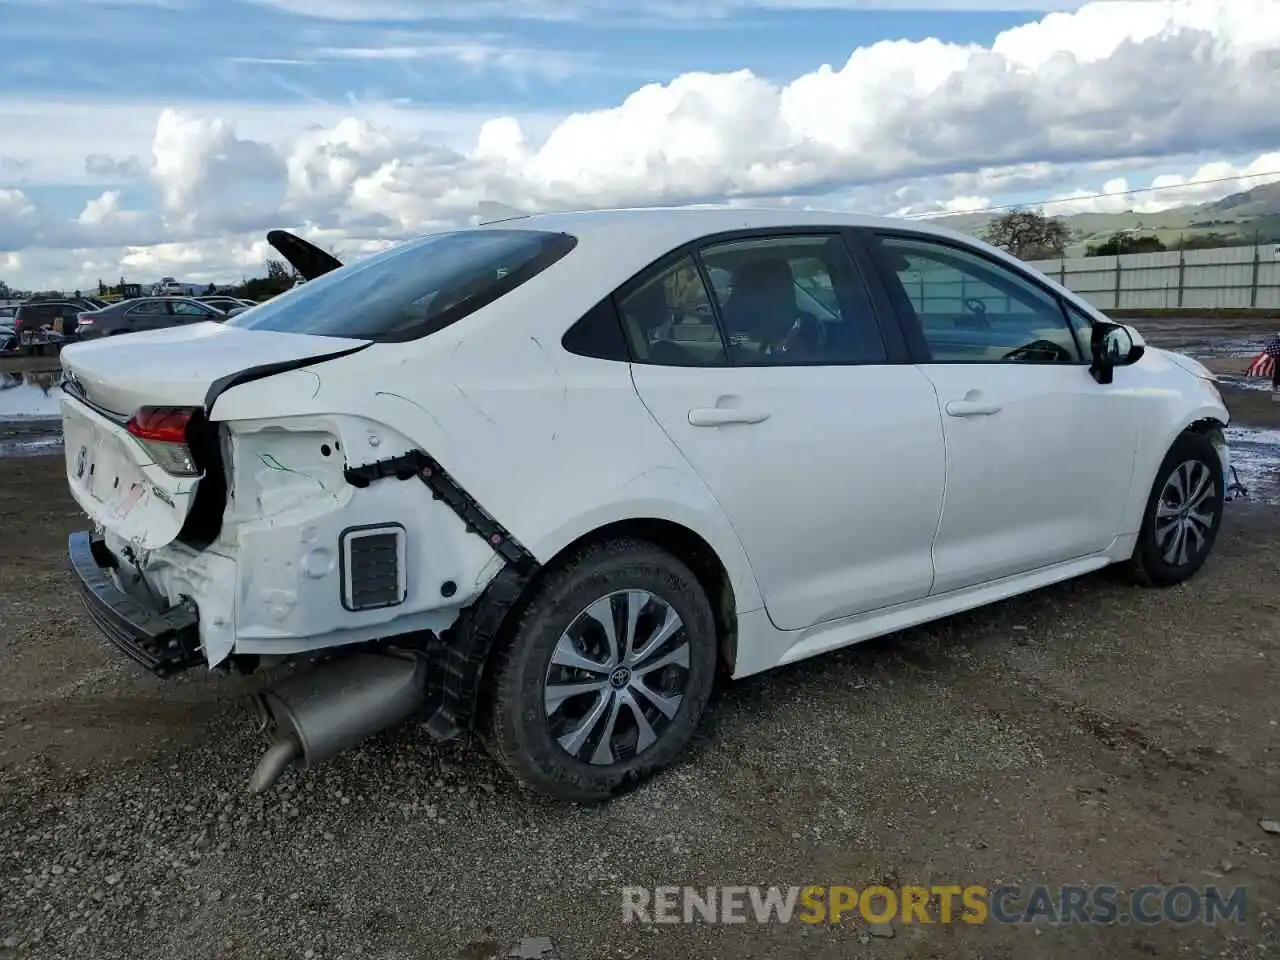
{"type": "Point", "coordinates": [974, 310]}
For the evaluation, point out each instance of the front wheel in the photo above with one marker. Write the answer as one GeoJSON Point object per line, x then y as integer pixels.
{"type": "Point", "coordinates": [1183, 514]}
{"type": "Point", "coordinates": [607, 674]}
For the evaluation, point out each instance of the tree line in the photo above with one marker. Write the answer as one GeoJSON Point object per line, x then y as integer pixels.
{"type": "Point", "coordinates": [1031, 235]}
{"type": "Point", "coordinates": [278, 277]}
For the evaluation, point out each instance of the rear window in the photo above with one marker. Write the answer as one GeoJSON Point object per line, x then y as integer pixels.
{"type": "Point", "coordinates": [411, 290]}
{"type": "Point", "coordinates": [39, 312]}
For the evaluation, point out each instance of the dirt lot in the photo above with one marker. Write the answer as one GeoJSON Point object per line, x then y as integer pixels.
{"type": "Point", "coordinates": [1089, 733]}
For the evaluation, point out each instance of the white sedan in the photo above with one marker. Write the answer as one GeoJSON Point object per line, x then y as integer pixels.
{"type": "Point", "coordinates": [549, 478]}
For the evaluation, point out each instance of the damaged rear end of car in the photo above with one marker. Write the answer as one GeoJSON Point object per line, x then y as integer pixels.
{"type": "Point", "coordinates": [243, 516]}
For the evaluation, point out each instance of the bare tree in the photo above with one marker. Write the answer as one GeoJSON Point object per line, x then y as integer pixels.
{"type": "Point", "coordinates": [1028, 235]}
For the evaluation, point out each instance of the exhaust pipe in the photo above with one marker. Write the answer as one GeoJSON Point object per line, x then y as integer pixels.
{"type": "Point", "coordinates": [334, 707]}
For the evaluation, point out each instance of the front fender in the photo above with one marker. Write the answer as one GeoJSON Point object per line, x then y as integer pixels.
{"type": "Point", "coordinates": [1155, 444]}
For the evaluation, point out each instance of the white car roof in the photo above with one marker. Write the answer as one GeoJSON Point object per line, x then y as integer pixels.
{"type": "Point", "coordinates": [662, 228]}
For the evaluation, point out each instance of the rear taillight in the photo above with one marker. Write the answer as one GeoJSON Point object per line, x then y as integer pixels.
{"type": "Point", "coordinates": [84, 318]}
{"type": "Point", "coordinates": [162, 432]}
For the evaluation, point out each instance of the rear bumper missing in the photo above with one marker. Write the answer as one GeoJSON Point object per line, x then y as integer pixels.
{"type": "Point", "coordinates": [164, 641]}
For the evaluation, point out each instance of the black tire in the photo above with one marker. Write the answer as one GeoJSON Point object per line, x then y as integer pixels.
{"type": "Point", "coordinates": [1149, 566]}
{"type": "Point", "coordinates": [519, 733]}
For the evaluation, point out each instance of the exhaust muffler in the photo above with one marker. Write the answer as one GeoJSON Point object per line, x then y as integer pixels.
{"type": "Point", "coordinates": [335, 706]}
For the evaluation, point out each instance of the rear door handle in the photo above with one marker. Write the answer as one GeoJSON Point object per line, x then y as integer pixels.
{"type": "Point", "coordinates": [971, 408]}
{"type": "Point", "coordinates": [719, 416]}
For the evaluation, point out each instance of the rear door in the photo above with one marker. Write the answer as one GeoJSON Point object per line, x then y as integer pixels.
{"type": "Point", "coordinates": [803, 416]}
{"type": "Point", "coordinates": [1039, 455]}
{"type": "Point", "coordinates": [146, 315]}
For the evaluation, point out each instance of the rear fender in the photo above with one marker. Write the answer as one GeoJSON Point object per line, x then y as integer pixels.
{"type": "Point", "coordinates": [492, 414]}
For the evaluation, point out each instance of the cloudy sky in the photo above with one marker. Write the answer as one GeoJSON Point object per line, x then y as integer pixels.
{"type": "Point", "coordinates": [165, 137]}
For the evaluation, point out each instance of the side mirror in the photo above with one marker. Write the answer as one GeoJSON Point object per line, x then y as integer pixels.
{"type": "Point", "coordinates": [1114, 345]}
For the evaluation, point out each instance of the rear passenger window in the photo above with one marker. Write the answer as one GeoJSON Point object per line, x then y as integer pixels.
{"type": "Point", "coordinates": [598, 334]}
{"type": "Point", "coordinates": [669, 320]}
{"type": "Point", "coordinates": [793, 300]}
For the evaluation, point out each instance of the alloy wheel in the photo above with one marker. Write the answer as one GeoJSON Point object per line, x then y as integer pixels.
{"type": "Point", "coordinates": [1185, 513]}
{"type": "Point", "coordinates": [617, 677]}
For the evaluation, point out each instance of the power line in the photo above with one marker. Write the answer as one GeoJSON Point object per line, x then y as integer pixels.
{"type": "Point", "coordinates": [1093, 196]}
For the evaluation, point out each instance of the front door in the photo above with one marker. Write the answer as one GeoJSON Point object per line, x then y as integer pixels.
{"type": "Point", "coordinates": [187, 311]}
{"type": "Point", "coordinates": [776, 387]}
{"type": "Point", "coordinates": [1039, 455]}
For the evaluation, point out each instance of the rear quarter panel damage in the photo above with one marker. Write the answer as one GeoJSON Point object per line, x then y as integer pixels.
{"type": "Point", "coordinates": [553, 445]}
{"type": "Point", "coordinates": [288, 506]}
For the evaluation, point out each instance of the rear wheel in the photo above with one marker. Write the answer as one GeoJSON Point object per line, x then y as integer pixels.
{"type": "Point", "coordinates": [1183, 514]}
{"type": "Point", "coordinates": [607, 674]}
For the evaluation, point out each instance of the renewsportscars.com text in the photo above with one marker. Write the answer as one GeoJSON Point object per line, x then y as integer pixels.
{"type": "Point", "coordinates": [970, 904]}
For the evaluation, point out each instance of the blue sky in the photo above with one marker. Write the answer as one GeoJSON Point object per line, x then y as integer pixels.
{"type": "Point", "coordinates": [215, 50]}
{"type": "Point", "coordinates": [164, 136]}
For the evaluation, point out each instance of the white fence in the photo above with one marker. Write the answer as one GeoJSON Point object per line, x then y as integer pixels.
{"type": "Point", "coordinates": [1190, 279]}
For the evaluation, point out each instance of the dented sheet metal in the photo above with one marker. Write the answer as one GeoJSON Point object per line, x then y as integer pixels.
{"type": "Point", "coordinates": [277, 473]}
{"type": "Point", "coordinates": [117, 484]}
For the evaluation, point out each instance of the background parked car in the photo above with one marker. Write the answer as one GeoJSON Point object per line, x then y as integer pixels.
{"type": "Point", "coordinates": [8, 336]}
{"type": "Point", "coordinates": [145, 313]}
{"type": "Point", "coordinates": [224, 303]}
{"type": "Point", "coordinates": [41, 323]}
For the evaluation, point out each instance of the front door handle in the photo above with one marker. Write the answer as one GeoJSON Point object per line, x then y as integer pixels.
{"type": "Point", "coordinates": [971, 408]}
{"type": "Point", "coordinates": [719, 416]}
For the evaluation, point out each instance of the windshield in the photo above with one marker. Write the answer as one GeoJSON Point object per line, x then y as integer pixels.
{"type": "Point", "coordinates": [411, 290]}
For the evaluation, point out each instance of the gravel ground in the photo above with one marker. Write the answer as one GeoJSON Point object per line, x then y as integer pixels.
{"type": "Point", "coordinates": [1088, 733]}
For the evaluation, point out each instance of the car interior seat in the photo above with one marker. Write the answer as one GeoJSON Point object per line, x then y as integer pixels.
{"type": "Point", "coordinates": [762, 304]}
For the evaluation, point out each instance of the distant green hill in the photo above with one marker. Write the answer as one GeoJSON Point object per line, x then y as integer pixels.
{"type": "Point", "coordinates": [1252, 216]}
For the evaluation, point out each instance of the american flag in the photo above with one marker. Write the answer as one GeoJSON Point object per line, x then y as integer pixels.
{"type": "Point", "coordinates": [1264, 364]}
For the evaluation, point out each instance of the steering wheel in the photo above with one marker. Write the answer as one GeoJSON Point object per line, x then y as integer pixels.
{"type": "Point", "coordinates": [977, 314]}
{"type": "Point", "coordinates": [1039, 351]}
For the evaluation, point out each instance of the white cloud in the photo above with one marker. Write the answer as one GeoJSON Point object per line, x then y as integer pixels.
{"type": "Point", "coordinates": [101, 209]}
{"type": "Point", "coordinates": [53, 139]}
{"type": "Point", "coordinates": [922, 127]}
{"type": "Point", "coordinates": [1210, 181]}
{"type": "Point", "coordinates": [196, 157]}
{"type": "Point", "coordinates": [471, 53]}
